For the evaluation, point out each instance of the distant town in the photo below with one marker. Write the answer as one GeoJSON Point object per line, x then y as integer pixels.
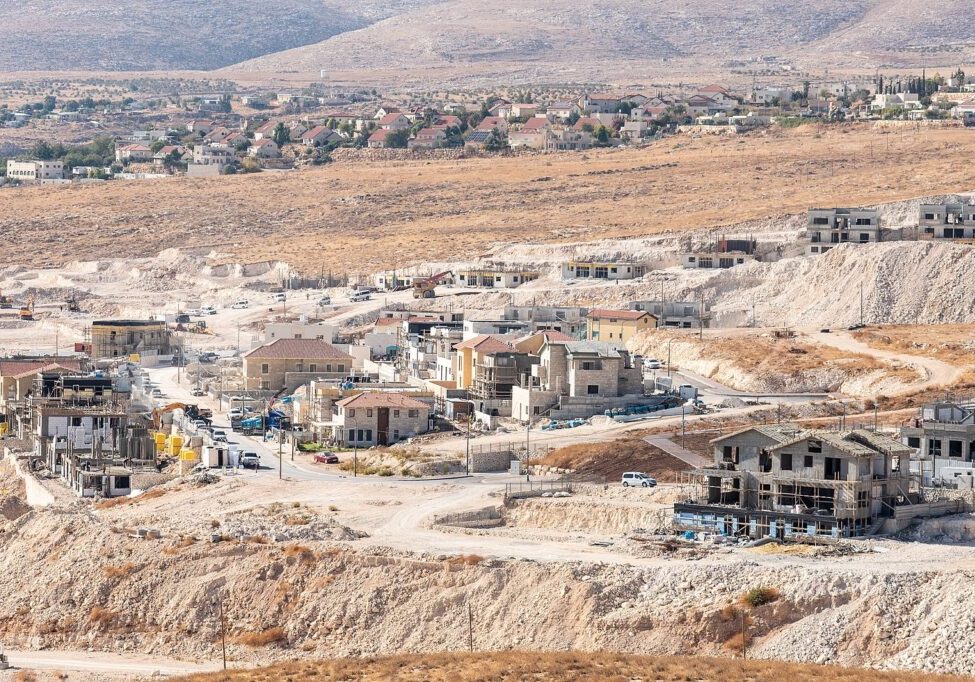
{"type": "Point", "coordinates": [228, 132]}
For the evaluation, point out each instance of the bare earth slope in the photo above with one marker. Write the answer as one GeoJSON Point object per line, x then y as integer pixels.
{"type": "Point", "coordinates": [634, 39]}
{"type": "Point", "coordinates": [176, 34]}
{"type": "Point", "coordinates": [332, 217]}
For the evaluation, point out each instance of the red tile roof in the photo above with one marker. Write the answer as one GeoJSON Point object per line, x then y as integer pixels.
{"type": "Point", "coordinates": [389, 119]}
{"type": "Point", "coordinates": [298, 349]}
{"type": "Point", "coordinates": [379, 135]}
{"type": "Point", "coordinates": [382, 399]}
{"type": "Point", "coordinates": [485, 343]}
{"type": "Point", "coordinates": [21, 368]}
{"type": "Point", "coordinates": [536, 123]}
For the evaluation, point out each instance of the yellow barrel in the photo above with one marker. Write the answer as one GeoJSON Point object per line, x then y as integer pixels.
{"type": "Point", "coordinates": [188, 455]}
{"type": "Point", "coordinates": [160, 438]}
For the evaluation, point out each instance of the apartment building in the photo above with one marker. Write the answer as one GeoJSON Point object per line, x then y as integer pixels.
{"type": "Point", "coordinates": [603, 269]}
{"type": "Point", "coordinates": [953, 220]}
{"type": "Point", "coordinates": [829, 227]}
{"type": "Point", "coordinates": [577, 379]}
{"type": "Point", "coordinates": [566, 319]}
{"type": "Point", "coordinates": [942, 437]}
{"type": "Point", "coordinates": [285, 364]}
{"type": "Point", "coordinates": [783, 482]}
{"type": "Point", "coordinates": [121, 338]}
{"type": "Point", "coordinates": [495, 277]}
{"type": "Point", "coordinates": [35, 171]}
{"type": "Point", "coordinates": [723, 254]}
{"type": "Point", "coordinates": [676, 314]}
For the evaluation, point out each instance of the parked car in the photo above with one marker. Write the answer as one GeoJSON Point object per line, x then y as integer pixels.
{"type": "Point", "coordinates": [250, 460]}
{"type": "Point", "coordinates": [183, 318]}
{"type": "Point", "coordinates": [359, 296]}
{"type": "Point", "coordinates": [207, 358]}
{"type": "Point", "coordinates": [208, 310]}
{"type": "Point", "coordinates": [241, 304]}
{"type": "Point", "coordinates": [156, 393]}
{"type": "Point", "coordinates": [235, 412]}
{"type": "Point", "coordinates": [637, 478]}
{"type": "Point", "coordinates": [279, 297]}
{"type": "Point", "coordinates": [327, 458]}
{"type": "Point", "coordinates": [324, 301]}
{"type": "Point", "coordinates": [197, 392]}
{"type": "Point", "coordinates": [219, 436]}
{"type": "Point", "coordinates": [652, 363]}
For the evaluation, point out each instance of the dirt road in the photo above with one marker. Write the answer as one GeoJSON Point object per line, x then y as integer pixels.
{"type": "Point", "coordinates": [934, 373]}
{"type": "Point", "coordinates": [123, 665]}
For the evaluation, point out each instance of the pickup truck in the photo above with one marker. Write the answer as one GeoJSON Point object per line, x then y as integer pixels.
{"type": "Point", "coordinates": [250, 459]}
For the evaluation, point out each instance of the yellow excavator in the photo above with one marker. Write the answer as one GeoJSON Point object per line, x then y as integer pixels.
{"type": "Point", "coordinates": [27, 310]}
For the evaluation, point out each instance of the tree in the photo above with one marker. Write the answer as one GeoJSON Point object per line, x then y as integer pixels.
{"type": "Point", "coordinates": [602, 135]}
{"type": "Point", "coordinates": [398, 139]}
{"type": "Point", "coordinates": [157, 145]}
{"type": "Point", "coordinates": [497, 141]}
{"type": "Point", "coordinates": [281, 134]}
{"type": "Point", "coordinates": [43, 151]}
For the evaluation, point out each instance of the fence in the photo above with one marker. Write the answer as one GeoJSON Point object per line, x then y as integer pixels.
{"type": "Point", "coordinates": [535, 488]}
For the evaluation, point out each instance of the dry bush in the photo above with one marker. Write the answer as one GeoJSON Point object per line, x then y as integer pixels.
{"type": "Point", "coordinates": [214, 523]}
{"type": "Point", "coordinates": [120, 571]}
{"type": "Point", "coordinates": [25, 676]}
{"type": "Point", "coordinates": [465, 560]}
{"type": "Point", "coordinates": [297, 520]}
{"type": "Point", "coordinates": [262, 638]}
{"type": "Point", "coordinates": [759, 596]}
{"type": "Point", "coordinates": [113, 502]}
{"type": "Point", "coordinates": [258, 540]}
{"type": "Point", "coordinates": [101, 615]}
{"type": "Point", "coordinates": [303, 554]}
{"type": "Point", "coordinates": [183, 543]}
{"type": "Point", "coordinates": [332, 508]}
{"type": "Point", "coordinates": [737, 641]}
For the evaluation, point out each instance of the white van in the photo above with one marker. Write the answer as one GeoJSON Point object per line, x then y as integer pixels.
{"type": "Point", "coordinates": [360, 296]}
{"type": "Point", "coordinates": [637, 478]}
{"type": "Point", "coordinates": [241, 304]}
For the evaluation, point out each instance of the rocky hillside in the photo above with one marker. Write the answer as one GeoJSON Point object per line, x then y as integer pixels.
{"type": "Point", "coordinates": [632, 39]}
{"type": "Point", "coordinates": [177, 34]}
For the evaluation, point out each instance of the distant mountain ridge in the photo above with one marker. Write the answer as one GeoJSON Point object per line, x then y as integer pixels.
{"type": "Point", "coordinates": [569, 40]}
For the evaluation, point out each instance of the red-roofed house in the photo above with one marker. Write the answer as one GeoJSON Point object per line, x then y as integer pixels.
{"type": "Point", "coordinates": [531, 135]}
{"type": "Point", "coordinates": [394, 121]}
{"type": "Point", "coordinates": [378, 140]}
{"type": "Point", "coordinates": [428, 138]}
{"type": "Point", "coordinates": [133, 152]}
{"type": "Point", "coordinates": [489, 123]}
{"type": "Point", "coordinates": [449, 120]}
{"type": "Point", "coordinates": [488, 367]}
{"type": "Point", "coordinates": [17, 375]}
{"type": "Point", "coordinates": [379, 418]}
{"type": "Point", "coordinates": [265, 131]}
{"type": "Point", "coordinates": [319, 135]}
{"type": "Point", "coordinates": [264, 149]}
{"type": "Point", "coordinates": [287, 363]}
{"type": "Point", "coordinates": [599, 103]}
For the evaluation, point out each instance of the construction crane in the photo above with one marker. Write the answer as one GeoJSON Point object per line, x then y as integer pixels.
{"type": "Point", "coordinates": [426, 288]}
{"type": "Point", "coordinates": [27, 310]}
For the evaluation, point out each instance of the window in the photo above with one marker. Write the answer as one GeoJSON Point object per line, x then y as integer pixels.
{"type": "Point", "coordinates": [122, 482]}
{"type": "Point", "coordinates": [265, 368]}
{"type": "Point", "coordinates": [395, 434]}
{"type": "Point", "coordinates": [934, 447]}
{"type": "Point", "coordinates": [815, 445]}
{"type": "Point", "coordinates": [313, 367]}
{"type": "Point", "coordinates": [913, 442]}
{"type": "Point", "coordinates": [351, 412]}
{"type": "Point", "coordinates": [413, 414]}
{"type": "Point", "coordinates": [864, 237]}
{"type": "Point", "coordinates": [820, 221]}
{"type": "Point", "coordinates": [396, 413]}
{"type": "Point", "coordinates": [369, 412]}
{"type": "Point", "coordinates": [265, 385]}
{"type": "Point", "coordinates": [368, 437]}
{"type": "Point", "coordinates": [785, 461]}
{"type": "Point", "coordinates": [299, 366]}
{"type": "Point", "coordinates": [537, 410]}
{"type": "Point", "coordinates": [808, 462]}
{"type": "Point", "coordinates": [341, 368]}
{"type": "Point", "coordinates": [954, 448]}
{"type": "Point", "coordinates": [592, 389]}
{"type": "Point", "coordinates": [351, 435]}
{"type": "Point", "coordinates": [76, 421]}
{"type": "Point", "coordinates": [929, 216]}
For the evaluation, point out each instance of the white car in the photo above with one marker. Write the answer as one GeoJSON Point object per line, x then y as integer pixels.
{"type": "Point", "coordinates": [241, 304]}
{"type": "Point", "coordinates": [219, 436]}
{"type": "Point", "coordinates": [639, 479]}
{"type": "Point", "coordinates": [279, 297]}
{"type": "Point", "coordinates": [360, 296]}
{"type": "Point", "coordinates": [652, 363]}
{"type": "Point", "coordinates": [208, 310]}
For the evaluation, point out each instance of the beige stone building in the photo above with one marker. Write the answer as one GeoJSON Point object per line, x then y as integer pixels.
{"type": "Point", "coordinates": [288, 363]}
{"type": "Point", "coordinates": [374, 418]}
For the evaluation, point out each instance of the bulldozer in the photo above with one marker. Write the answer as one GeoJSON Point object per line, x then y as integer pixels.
{"type": "Point", "coordinates": [427, 288]}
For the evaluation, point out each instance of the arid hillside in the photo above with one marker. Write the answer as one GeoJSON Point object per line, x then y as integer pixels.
{"type": "Point", "coordinates": [422, 210]}
{"type": "Point", "coordinates": [176, 34]}
{"type": "Point", "coordinates": [563, 667]}
{"type": "Point", "coordinates": [630, 41]}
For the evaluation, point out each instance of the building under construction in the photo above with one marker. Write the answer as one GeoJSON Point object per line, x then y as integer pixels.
{"type": "Point", "coordinates": [781, 481]}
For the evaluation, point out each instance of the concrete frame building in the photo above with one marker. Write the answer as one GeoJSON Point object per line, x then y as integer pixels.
{"type": "Point", "coordinates": [942, 437]}
{"type": "Point", "coordinates": [120, 338]}
{"type": "Point", "coordinates": [829, 227]}
{"type": "Point", "coordinates": [954, 220]}
{"type": "Point", "coordinates": [609, 270]}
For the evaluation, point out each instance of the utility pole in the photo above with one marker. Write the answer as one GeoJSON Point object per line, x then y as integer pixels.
{"type": "Point", "coordinates": [280, 456]}
{"type": "Point", "coordinates": [470, 416]}
{"type": "Point", "coordinates": [218, 602]}
{"type": "Point", "coordinates": [861, 304]}
{"type": "Point", "coordinates": [744, 637]}
{"type": "Point", "coordinates": [470, 628]}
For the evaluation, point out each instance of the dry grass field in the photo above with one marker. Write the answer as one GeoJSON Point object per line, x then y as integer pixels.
{"type": "Point", "coordinates": [334, 217]}
{"type": "Point", "coordinates": [557, 667]}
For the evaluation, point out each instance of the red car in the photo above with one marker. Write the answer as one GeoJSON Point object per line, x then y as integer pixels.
{"type": "Point", "coordinates": [327, 458]}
